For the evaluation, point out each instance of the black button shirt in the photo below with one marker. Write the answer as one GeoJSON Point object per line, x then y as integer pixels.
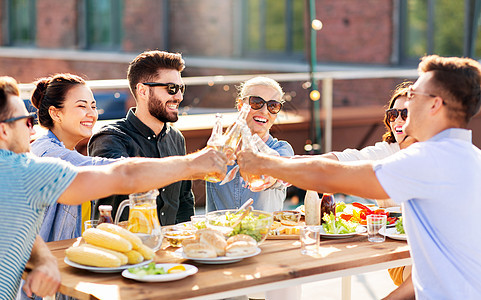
{"type": "Point", "coordinates": [130, 137]}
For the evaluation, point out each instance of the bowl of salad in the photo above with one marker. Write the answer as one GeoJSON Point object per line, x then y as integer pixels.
{"type": "Point", "coordinates": [256, 223]}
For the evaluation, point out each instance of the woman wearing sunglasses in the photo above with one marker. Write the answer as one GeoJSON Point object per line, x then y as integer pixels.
{"type": "Point", "coordinates": [67, 108]}
{"type": "Point", "coordinates": [265, 96]}
{"type": "Point", "coordinates": [393, 140]}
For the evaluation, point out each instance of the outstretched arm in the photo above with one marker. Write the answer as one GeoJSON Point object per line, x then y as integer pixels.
{"type": "Point", "coordinates": [316, 173]}
{"type": "Point", "coordinates": [44, 280]}
{"type": "Point", "coordinates": [141, 174]}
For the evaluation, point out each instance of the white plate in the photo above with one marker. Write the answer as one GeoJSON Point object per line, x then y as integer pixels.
{"type": "Point", "coordinates": [103, 270]}
{"type": "Point", "coordinates": [359, 229]}
{"type": "Point", "coordinates": [189, 270]}
{"type": "Point", "coordinates": [393, 234]}
{"type": "Point", "coordinates": [394, 209]}
{"type": "Point", "coordinates": [216, 260]}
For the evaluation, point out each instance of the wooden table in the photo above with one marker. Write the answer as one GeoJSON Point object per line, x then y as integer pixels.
{"type": "Point", "coordinates": [279, 265]}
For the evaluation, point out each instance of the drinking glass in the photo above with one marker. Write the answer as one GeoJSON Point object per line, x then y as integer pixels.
{"type": "Point", "coordinates": [376, 228]}
{"type": "Point", "coordinates": [90, 224]}
{"type": "Point", "coordinates": [310, 239]}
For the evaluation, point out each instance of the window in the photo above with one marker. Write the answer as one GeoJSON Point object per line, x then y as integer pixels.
{"type": "Point", "coordinates": [273, 27]}
{"type": "Point", "coordinates": [103, 20]}
{"type": "Point", "coordinates": [21, 22]}
{"type": "Point", "coordinates": [443, 27]}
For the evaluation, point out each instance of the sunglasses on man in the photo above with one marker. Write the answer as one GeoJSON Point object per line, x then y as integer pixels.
{"type": "Point", "coordinates": [30, 120]}
{"type": "Point", "coordinates": [393, 113]}
{"type": "Point", "coordinates": [257, 103]}
{"type": "Point", "coordinates": [172, 88]}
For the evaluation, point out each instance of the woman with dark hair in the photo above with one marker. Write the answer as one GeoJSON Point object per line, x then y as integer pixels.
{"type": "Point", "coordinates": [67, 108]}
{"type": "Point", "coordinates": [393, 140]}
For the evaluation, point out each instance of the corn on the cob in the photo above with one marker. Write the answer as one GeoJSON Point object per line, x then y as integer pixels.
{"type": "Point", "coordinates": [134, 257]}
{"type": "Point", "coordinates": [135, 240]}
{"type": "Point", "coordinates": [107, 240]}
{"type": "Point", "coordinates": [146, 252]}
{"type": "Point", "coordinates": [123, 258]}
{"type": "Point", "coordinates": [92, 257]}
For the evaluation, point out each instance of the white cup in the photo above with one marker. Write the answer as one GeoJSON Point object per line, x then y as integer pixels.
{"type": "Point", "coordinates": [310, 239]}
{"type": "Point", "coordinates": [376, 228]}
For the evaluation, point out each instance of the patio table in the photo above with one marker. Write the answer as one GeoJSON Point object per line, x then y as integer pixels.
{"type": "Point", "coordinates": [279, 265]}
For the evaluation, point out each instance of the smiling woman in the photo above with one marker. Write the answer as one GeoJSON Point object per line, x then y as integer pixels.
{"type": "Point", "coordinates": [265, 97]}
{"type": "Point", "coordinates": [67, 108]}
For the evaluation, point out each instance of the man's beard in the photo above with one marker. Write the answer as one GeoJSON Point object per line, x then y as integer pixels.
{"type": "Point", "coordinates": [158, 110]}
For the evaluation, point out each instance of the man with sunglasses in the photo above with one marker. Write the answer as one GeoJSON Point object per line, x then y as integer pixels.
{"type": "Point", "coordinates": [28, 184]}
{"type": "Point", "coordinates": [436, 180]}
{"type": "Point", "coordinates": [156, 85]}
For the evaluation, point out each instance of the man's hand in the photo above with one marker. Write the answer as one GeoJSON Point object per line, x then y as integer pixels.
{"type": "Point", "coordinates": [44, 279]}
{"type": "Point", "coordinates": [249, 162]}
{"type": "Point", "coordinates": [208, 161]}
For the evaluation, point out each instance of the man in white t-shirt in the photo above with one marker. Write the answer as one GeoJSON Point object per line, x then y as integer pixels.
{"type": "Point", "coordinates": [437, 180]}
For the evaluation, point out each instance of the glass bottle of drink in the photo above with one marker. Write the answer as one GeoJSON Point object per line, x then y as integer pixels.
{"type": "Point", "coordinates": [105, 214]}
{"type": "Point", "coordinates": [312, 207]}
{"type": "Point", "coordinates": [328, 205]}
{"type": "Point", "coordinates": [215, 141]}
{"type": "Point", "coordinates": [233, 135]}
{"type": "Point", "coordinates": [230, 140]}
{"type": "Point", "coordinates": [256, 181]}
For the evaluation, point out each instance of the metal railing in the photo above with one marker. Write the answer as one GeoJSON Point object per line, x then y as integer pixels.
{"type": "Point", "coordinates": [326, 77]}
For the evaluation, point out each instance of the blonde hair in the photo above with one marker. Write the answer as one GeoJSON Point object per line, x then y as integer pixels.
{"type": "Point", "coordinates": [259, 80]}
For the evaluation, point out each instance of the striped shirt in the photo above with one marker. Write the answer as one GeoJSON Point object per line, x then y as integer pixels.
{"type": "Point", "coordinates": [27, 185]}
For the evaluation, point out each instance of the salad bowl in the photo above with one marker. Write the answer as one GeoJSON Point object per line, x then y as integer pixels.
{"type": "Point", "coordinates": [256, 223]}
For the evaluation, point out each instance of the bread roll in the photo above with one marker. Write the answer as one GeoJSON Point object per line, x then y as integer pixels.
{"type": "Point", "coordinates": [216, 241]}
{"type": "Point", "coordinates": [190, 241]}
{"type": "Point", "coordinates": [241, 237]}
{"type": "Point", "coordinates": [240, 248]}
{"type": "Point", "coordinates": [200, 250]}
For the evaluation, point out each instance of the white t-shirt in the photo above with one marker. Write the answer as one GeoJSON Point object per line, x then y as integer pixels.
{"type": "Point", "coordinates": [438, 183]}
{"type": "Point", "coordinates": [379, 151]}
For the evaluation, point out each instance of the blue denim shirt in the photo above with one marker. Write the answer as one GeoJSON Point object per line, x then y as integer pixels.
{"type": "Point", "coordinates": [233, 194]}
{"type": "Point", "coordinates": [61, 221]}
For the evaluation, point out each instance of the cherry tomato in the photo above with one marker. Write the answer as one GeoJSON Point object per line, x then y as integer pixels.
{"type": "Point", "coordinates": [346, 217]}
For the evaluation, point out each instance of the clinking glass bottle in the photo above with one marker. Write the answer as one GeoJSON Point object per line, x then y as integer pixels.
{"type": "Point", "coordinates": [230, 140]}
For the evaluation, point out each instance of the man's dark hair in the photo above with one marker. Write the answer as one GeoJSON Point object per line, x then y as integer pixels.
{"type": "Point", "coordinates": [458, 81]}
{"type": "Point", "coordinates": [145, 67]}
{"type": "Point", "coordinates": [8, 86]}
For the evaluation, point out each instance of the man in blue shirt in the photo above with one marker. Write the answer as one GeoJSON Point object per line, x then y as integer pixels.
{"type": "Point", "coordinates": [437, 180]}
{"type": "Point", "coordinates": [28, 184]}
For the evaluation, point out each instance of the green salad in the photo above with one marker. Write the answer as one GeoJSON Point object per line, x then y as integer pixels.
{"type": "Point", "coordinates": [149, 269]}
{"type": "Point", "coordinates": [337, 226]}
{"type": "Point", "coordinates": [399, 226]}
{"type": "Point", "coordinates": [255, 225]}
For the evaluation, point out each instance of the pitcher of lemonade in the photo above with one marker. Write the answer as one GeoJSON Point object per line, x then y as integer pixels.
{"type": "Point", "coordinates": [143, 220]}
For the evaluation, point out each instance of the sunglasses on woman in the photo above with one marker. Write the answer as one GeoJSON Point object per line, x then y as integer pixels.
{"type": "Point", "coordinates": [30, 120]}
{"type": "Point", "coordinates": [257, 103]}
{"type": "Point", "coordinates": [172, 88]}
{"type": "Point", "coordinates": [393, 113]}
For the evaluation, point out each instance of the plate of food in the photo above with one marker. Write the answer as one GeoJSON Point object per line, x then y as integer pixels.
{"type": "Point", "coordinates": [219, 259]}
{"type": "Point", "coordinates": [285, 230]}
{"type": "Point", "coordinates": [357, 230]}
{"type": "Point", "coordinates": [160, 272]}
{"type": "Point", "coordinates": [210, 247]}
{"type": "Point", "coordinates": [103, 270]}
{"type": "Point", "coordinates": [394, 234]}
